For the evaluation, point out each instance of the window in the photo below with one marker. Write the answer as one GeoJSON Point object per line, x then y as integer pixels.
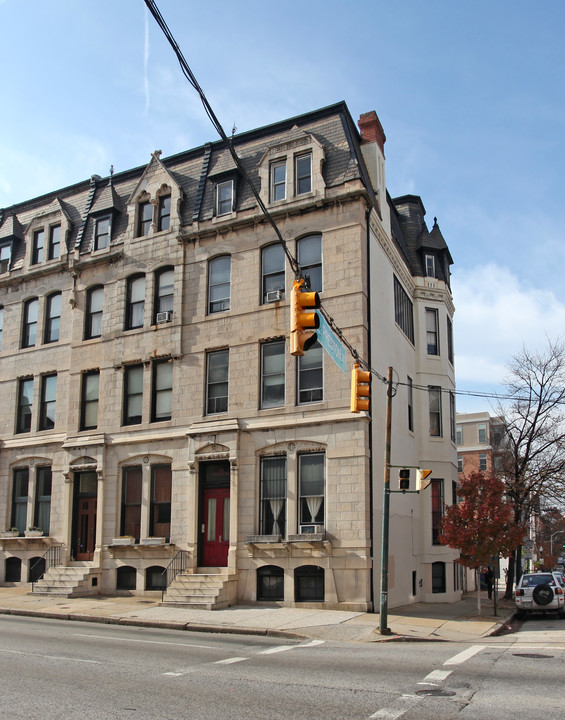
{"type": "Point", "coordinates": [135, 302]}
{"type": "Point", "coordinates": [432, 339]}
{"type": "Point", "coordinates": [164, 285]}
{"type": "Point", "coordinates": [434, 396]}
{"type": "Point", "coordinates": [311, 471]}
{"type": "Point", "coordinates": [144, 218]}
{"type": "Point", "coordinates": [155, 578]}
{"type": "Point", "coordinates": [272, 270]}
{"type": "Point", "coordinates": [162, 399]}
{"type": "Point", "coordinates": [219, 270]}
{"type": "Point", "coordinates": [25, 397]}
{"type": "Point", "coordinates": [217, 381]}
{"type": "Point", "coordinates": [131, 502]}
{"type": "Point", "coordinates": [164, 213]}
{"type": "Point", "coordinates": [160, 506]}
{"type": "Point", "coordinates": [29, 333]}
{"type": "Point", "coordinates": [133, 394]}
{"type": "Point", "coordinates": [278, 181]}
{"type": "Point", "coordinates": [410, 388]}
{"type": "Point", "coordinates": [224, 197]}
{"type": "Point", "coordinates": [437, 509]}
{"type": "Point", "coordinates": [449, 340]}
{"type": "Point", "coordinates": [453, 492]}
{"type": "Point", "coordinates": [42, 510]}
{"type": "Point", "coordinates": [93, 315]}
{"type": "Point", "coordinates": [270, 583]}
{"type": "Point", "coordinates": [459, 435]}
{"type": "Point", "coordinates": [311, 375]}
{"type": "Point", "coordinates": [482, 462]}
{"type": "Point", "coordinates": [309, 584]}
{"type": "Point", "coordinates": [403, 311]}
{"type": "Point", "coordinates": [126, 578]}
{"type": "Point", "coordinates": [13, 569]}
{"type": "Point", "coordinates": [272, 374]}
{"type": "Point", "coordinates": [1, 324]}
{"type": "Point", "coordinates": [5, 256]}
{"type": "Point", "coordinates": [47, 407]}
{"type": "Point", "coordinates": [37, 248]}
{"type": "Point", "coordinates": [482, 428]}
{"type": "Point", "coordinates": [52, 318]}
{"type": "Point", "coordinates": [452, 416]}
{"type": "Point", "coordinates": [89, 400]}
{"type": "Point", "coordinates": [54, 248]}
{"type": "Point", "coordinates": [460, 463]}
{"type": "Point", "coordinates": [102, 233]}
{"type": "Point", "coordinates": [272, 519]}
{"type": "Point", "coordinates": [430, 266]}
{"type": "Point", "coordinates": [19, 499]}
{"type": "Point", "coordinates": [310, 260]}
{"type": "Point", "coordinates": [438, 577]}
{"type": "Point", "coordinates": [303, 174]}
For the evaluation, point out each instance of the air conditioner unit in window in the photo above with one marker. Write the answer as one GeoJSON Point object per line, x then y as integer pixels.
{"type": "Point", "coordinates": [163, 317]}
{"type": "Point", "coordinates": [311, 529]}
{"type": "Point", "coordinates": [274, 295]}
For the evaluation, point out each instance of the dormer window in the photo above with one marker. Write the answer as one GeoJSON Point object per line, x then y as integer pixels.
{"type": "Point", "coordinates": [37, 248]}
{"type": "Point", "coordinates": [430, 266]}
{"type": "Point", "coordinates": [5, 256]}
{"type": "Point", "coordinates": [145, 218]}
{"type": "Point", "coordinates": [224, 197]}
{"type": "Point", "coordinates": [101, 233]}
{"type": "Point", "coordinates": [54, 247]}
{"type": "Point", "coordinates": [303, 174]}
{"type": "Point", "coordinates": [164, 213]}
{"type": "Point", "coordinates": [278, 181]}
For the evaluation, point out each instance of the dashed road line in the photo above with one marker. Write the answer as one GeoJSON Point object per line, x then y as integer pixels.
{"type": "Point", "coordinates": [465, 655]}
{"type": "Point", "coordinates": [229, 661]}
{"type": "Point", "coordinates": [435, 675]}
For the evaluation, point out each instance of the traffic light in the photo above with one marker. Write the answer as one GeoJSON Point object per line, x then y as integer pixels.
{"type": "Point", "coordinates": [360, 389]}
{"type": "Point", "coordinates": [404, 479]}
{"type": "Point", "coordinates": [303, 320]}
{"type": "Point", "coordinates": [421, 479]}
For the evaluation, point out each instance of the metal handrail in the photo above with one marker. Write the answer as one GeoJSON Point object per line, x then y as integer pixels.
{"type": "Point", "coordinates": [178, 564]}
{"type": "Point", "coordinates": [51, 558]}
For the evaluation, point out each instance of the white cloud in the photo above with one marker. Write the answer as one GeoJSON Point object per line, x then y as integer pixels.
{"type": "Point", "coordinates": [496, 315]}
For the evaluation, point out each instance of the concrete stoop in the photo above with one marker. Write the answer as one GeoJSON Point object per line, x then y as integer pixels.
{"type": "Point", "coordinates": [206, 589]}
{"type": "Point", "coordinates": [69, 581]}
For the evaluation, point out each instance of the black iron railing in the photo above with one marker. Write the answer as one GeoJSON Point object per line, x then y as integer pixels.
{"type": "Point", "coordinates": [51, 558]}
{"type": "Point", "coordinates": [177, 565]}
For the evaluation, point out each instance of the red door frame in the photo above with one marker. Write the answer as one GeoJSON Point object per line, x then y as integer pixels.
{"type": "Point", "coordinates": [214, 546]}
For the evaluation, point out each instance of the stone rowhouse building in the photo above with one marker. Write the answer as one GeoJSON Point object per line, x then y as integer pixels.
{"type": "Point", "coordinates": [152, 414]}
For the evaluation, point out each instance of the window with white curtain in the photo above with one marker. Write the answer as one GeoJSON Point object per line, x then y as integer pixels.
{"type": "Point", "coordinates": [311, 488]}
{"type": "Point", "coordinates": [273, 496]}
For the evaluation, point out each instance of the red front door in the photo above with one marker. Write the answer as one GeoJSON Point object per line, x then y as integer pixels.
{"type": "Point", "coordinates": [86, 528]}
{"type": "Point", "coordinates": [215, 536]}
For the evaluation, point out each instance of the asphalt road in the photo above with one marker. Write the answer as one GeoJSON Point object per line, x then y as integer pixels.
{"type": "Point", "coordinates": [61, 670]}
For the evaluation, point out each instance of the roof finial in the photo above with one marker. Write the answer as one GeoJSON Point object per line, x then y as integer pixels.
{"type": "Point", "coordinates": [111, 173]}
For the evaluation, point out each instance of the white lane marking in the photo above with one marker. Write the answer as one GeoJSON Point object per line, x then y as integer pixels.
{"type": "Point", "coordinates": [148, 642]}
{"type": "Point", "coordinates": [50, 657]}
{"type": "Point", "coordinates": [438, 675]}
{"type": "Point", "coordinates": [229, 661]}
{"type": "Point", "coordinates": [465, 655]}
{"type": "Point", "coordinates": [397, 710]}
{"type": "Point", "coordinates": [284, 648]}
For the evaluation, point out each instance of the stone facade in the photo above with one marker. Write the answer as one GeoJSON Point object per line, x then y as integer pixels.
{"type": "Point", "coordinates": [152, 411]}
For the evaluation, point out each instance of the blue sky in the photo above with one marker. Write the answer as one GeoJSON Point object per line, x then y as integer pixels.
{"type": "Point", "coordinates": [470, 95]}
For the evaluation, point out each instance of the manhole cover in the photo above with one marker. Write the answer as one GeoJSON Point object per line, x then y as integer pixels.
{"type": "Point", "coordinates": [535, 656]}
{"type": "Point", "coordinates": [436, 693]}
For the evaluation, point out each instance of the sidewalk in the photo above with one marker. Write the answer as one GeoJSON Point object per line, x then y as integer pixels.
{"type": "Point", "coordinates": [456, 622]}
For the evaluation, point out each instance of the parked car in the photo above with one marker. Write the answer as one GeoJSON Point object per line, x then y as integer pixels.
{"type": "Point", "coordinates": [540, 592]}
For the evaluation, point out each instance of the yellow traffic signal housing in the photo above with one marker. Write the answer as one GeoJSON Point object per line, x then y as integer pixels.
{"type": "Point", "coordinates": [303, 320]}
{"type": "Point", "coordinates": [421, 479]}
{"type": "Point", "coordinates": [360, 389]}
{"type": "Point", "coordinates": [404, 479]}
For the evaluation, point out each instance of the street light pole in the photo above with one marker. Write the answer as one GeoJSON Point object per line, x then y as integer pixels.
{"type": "Point", "coordinates": [383, 619]}
{"type": "Point", "coordinates": [557, 532]}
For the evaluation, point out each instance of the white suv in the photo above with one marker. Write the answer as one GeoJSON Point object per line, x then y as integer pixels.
{"type": "Point", "coordinates": [540, 592]}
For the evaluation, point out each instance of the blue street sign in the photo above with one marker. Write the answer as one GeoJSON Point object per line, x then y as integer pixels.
{"type": "Point", "coordinates": [331, 343]}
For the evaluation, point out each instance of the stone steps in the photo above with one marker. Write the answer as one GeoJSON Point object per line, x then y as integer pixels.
{"type": "Point", "coordinates": [68, 581]}
{"type": "Point", "coordinates": [200, 590]}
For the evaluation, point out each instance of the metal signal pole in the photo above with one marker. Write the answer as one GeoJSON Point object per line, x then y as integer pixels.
{"type": "Point", "coordinates": [383, 619]}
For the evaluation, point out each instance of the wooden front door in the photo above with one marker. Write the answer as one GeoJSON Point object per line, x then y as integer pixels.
{"type": "Point", "coordinates": [85, 539]}
{"type": "Point", "coordinates": [215, 529]}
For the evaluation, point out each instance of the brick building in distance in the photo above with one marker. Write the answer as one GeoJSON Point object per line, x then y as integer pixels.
{"type": "Point", "coordinates": [155, 427]}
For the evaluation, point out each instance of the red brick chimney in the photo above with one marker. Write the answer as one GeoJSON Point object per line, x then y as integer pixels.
{"type": "Point", "coordinates": [372, 130]}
